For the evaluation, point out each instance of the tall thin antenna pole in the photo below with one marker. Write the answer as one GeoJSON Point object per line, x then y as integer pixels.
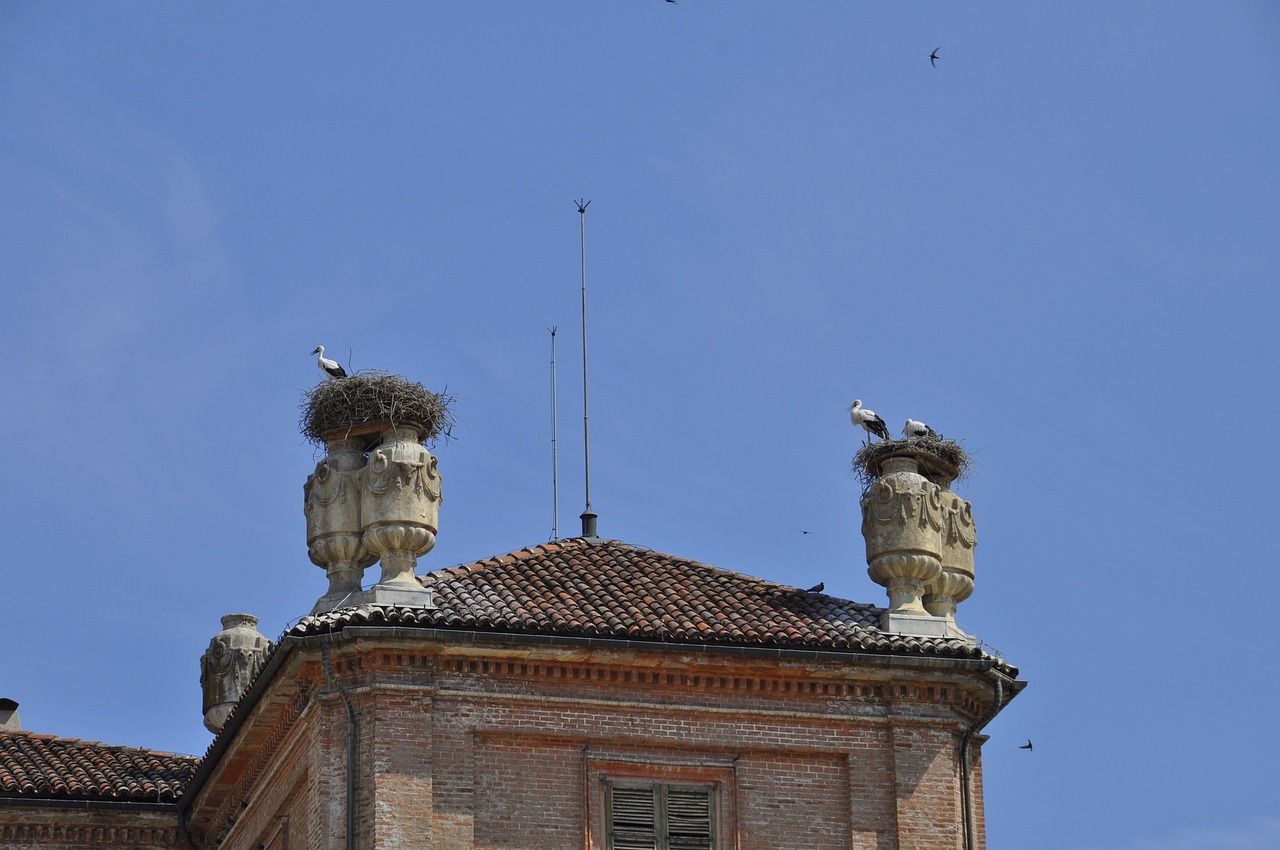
{"type": "Point", "coordinates": [588, 516]}
{"type": "Point", "coordinates": [555, 462]}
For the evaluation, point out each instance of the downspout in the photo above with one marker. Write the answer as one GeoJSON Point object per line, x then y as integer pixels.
{"type": "Point", "coordinates": [182, 829]}
{"type": "Point", "coordinates": [586, 797]}
{"type": "Point", "coordinates": [965, 792]}
{"type": "Point", "coordinates": [351, 745]}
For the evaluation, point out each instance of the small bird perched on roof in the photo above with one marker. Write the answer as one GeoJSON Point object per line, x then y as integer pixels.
{"type": "Point", "coordinates": [868, 419]}
{"type": "Point", "coordinates": [329, 367]}
{"type": "Point", "coordinates": [914, 430]}
{"type": "Point", "coordinates": [817, 588]}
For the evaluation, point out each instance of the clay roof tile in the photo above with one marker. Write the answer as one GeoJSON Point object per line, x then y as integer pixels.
{"type": "Point", "coordinates": [45, 766]}
{"type": "Point", "coordinates": [608, 588]}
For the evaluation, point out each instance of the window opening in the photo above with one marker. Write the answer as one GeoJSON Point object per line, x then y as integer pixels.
{"type": "Point", "coordinates": [659, 817]}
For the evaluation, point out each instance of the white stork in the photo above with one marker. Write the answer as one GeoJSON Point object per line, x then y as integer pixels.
{"type": "Point", "coordinates": [914, 430]}
{"type": "Point", "coordinates": [868, 419]}
{"type": "Point", "coordinates": [329, 367]}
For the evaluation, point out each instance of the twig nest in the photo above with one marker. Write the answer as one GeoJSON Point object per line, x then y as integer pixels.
{"type": "Point", "coordinates": [365, 403]}
{"type": "Point", "coordinates": [939, 460]}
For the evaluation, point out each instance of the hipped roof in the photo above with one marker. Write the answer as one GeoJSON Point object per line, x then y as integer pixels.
{"type": "Point", "coordinates": [586, 587]}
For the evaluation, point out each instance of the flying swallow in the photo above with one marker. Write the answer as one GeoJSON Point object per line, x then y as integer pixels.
{"type": "Point", "coordinates": [933, 57]}
{"type": "Point", "coordinates": [1027, 746]}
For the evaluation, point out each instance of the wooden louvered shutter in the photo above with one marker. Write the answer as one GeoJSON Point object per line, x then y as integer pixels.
{"type": "Point", "coordinates": [660, 817]}
{"type": "Point", "coordinates": [688, 813]}
{"type": "Point", "coordinates": [633, 815]}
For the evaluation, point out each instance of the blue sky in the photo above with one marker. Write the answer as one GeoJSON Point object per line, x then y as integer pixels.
{"type": "Point", "coordinates": [1059, 246]}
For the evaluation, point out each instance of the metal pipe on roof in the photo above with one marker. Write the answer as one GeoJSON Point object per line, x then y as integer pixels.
{"type": "Point", "coordinates": [966, 794]}
{"type": "Point", "coordinates": [588, 516]}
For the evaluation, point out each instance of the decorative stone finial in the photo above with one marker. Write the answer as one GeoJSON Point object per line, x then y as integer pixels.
{"type": "Point", "coordinates": [959, 537]}
{"type": "Point", "coordinates": [331, 500]}
{"type": "Point", "coordinates": [234, 657]}
{"type": "Point", "coordinates": [920, 539]}
{"type": "Point", "coordinates": [376, 495]}
{"type": "Point", "coordinates": [400, 513]}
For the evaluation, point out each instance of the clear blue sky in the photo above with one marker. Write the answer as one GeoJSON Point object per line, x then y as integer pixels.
{"type": "Point", "coordinates": [1060, 246]}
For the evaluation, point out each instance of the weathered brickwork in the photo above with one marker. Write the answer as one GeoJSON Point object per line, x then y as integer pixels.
{"type": "Point", "coordinates": [81, 828]}
{"type": "Point", "coordinates": [480, 747]}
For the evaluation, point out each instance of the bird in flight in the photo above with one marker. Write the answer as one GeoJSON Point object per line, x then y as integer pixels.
{"type": "Point", "coordinates": [329, 367]}
{"type": "Point", "coordinates": [933, 57]}
{"type": "Point", "coordinates": [1027, 746]}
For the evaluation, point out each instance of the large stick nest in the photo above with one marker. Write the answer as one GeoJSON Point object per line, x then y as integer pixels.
{"type": "Point", "coordinates": [937, 457]}
{"type": "Point", "coordinates": [338, 407]}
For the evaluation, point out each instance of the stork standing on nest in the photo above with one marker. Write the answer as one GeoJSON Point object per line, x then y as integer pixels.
{"type": "Point", "coordinates": [914, 430]}
{"type": "Point", "coordinates": [869, 421]}
{"type": "Point", "coordinates": [329, 367]}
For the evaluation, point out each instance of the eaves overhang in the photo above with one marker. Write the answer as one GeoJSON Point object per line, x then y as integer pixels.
{"type": "Point", "coordinates": [987, 667]}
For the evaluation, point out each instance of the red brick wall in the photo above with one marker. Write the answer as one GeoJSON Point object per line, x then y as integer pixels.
{"type": "Point", "coordinates": [485, 748]}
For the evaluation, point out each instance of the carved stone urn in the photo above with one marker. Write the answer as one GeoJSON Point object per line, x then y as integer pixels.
{"type": "Point", "coordinates": [234, 657]}
{"type": "Point", "coordinates": [902, 522]}
{"type": "Point", "coordinates": [959, 538]}
{"type": "Point", "coordinates": [400, 509]}
{"type": "Point", "coordinates": [332, 506]}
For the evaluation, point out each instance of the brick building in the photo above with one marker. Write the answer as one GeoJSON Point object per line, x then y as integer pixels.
{"type": "Point", "coordinates": [584, 693]}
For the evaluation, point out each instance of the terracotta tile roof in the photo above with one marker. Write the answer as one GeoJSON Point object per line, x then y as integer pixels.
{"type": "Point", "coordinates": [577, 587]}
{"type": "Point", "coordinates": [43, 766]}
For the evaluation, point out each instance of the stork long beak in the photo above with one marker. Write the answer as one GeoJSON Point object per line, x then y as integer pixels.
{"type": "Point", "coordinates": [317, 351]}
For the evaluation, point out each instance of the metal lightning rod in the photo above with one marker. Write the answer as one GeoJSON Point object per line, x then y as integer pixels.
{"type": "Point", "coordinates": [555, 462]}
{"type": "Point", "coordinates": [588, 516]}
